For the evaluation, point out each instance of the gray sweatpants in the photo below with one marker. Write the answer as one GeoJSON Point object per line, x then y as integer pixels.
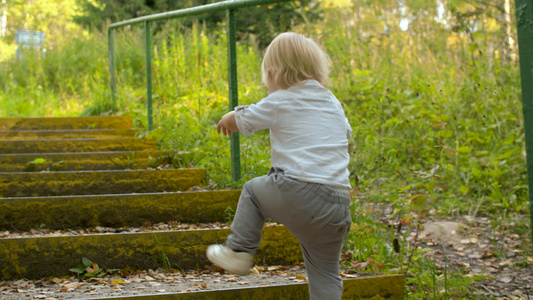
{"type": "Point", "coordinates": [316, 214]}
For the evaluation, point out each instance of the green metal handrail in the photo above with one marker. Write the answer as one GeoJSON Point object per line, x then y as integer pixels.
{"type": "Point", "coordinates": [524, 24]}
{"type": "Point", "coordinates": [230, 6]}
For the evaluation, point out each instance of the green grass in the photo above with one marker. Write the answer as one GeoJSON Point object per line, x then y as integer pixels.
{"type": "Point", "coordinates": [435, 126]}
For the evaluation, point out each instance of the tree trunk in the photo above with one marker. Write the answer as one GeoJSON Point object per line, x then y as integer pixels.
{"type": "Point", "coordinates": [509, 39]}
{"type": "Point", "coordinates": [3, 19]}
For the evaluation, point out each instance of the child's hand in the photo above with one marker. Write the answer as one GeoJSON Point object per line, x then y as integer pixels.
{"type": "Point", "coordinates": [227, 124]}
{"type": "Point", "coordinates": [225, 131]}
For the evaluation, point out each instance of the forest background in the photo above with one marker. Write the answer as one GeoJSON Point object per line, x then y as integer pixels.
{"type": "Point", "coordinates": [431, 89]}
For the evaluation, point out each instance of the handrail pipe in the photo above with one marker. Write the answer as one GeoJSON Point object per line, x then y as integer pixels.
{"type": "Point", "coordinates": [524, 24]}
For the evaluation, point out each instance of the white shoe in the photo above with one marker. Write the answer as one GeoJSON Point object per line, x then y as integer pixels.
{"type": "Point", "coordinates": [238, 263]}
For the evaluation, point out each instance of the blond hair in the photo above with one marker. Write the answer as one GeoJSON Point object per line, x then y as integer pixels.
{"type": "Point", "coordinates": [292, 58]}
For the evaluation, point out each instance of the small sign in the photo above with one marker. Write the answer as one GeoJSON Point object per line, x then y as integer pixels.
{"type": "Point", "coordinates": [29, 39]}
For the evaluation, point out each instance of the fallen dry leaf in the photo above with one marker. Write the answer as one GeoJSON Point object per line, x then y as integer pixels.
{"type": "Point", "coordinates": [57, 280]}
{"type": "Point", "coordinates": [73, 285]}
{"type": "Point", "coordinates": [359, 266]}
{"type": "Point", "coordinates": [506, 279]}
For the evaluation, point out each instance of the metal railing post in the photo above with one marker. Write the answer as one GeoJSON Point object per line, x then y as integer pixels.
{"type": "Point", "coordinates": [148, 75]}
{"type": "Point", "coordinates": [233, 92]}
{"type": "Point", "coordinates": [524, 22]}
{"type": "Point", "coordinates": [111, 51]}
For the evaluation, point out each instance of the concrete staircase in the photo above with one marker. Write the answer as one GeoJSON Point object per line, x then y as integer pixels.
{"type": "Point", "coordinates": [71, 174]}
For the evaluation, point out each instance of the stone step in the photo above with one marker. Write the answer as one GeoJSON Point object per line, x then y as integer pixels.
{"type": "Point", "coordinates": [79, 161]}
{"type": "Point", "coordinates": [371, 286]}
{"type": "Point", "coordinates": [65, 134]}
{"type": "Point", "coordinates": [76, 145]}
{"type": "Point", "coordinates": [41, 257]}
{"type": "Point", "coordinates": [111, 122]}
{"type": "Point", "coordinates": [131, 210]}
{"type": "Point", "coordinates": [31, 184]}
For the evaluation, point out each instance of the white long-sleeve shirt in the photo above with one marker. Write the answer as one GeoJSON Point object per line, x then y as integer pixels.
{"type": "Point", "coordinates": [309, 132]}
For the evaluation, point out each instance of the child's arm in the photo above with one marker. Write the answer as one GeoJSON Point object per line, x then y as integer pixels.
{"type": "Point", "coordinates": [227, 124]}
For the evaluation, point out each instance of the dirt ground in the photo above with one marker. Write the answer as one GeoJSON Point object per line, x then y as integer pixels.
{"type": "Point", "coordinates": [494, 255]}
{"type": "Point", "coordinates": [481, 248]}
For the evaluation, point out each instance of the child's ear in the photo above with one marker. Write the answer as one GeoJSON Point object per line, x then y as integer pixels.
{"type": "Point", "coordinates": [270, 75]}
{"type": "Point", "coordinates": [271, 81]}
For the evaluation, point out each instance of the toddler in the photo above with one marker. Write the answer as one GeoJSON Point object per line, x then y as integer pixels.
{"type": "Point", "coordinates": [307, 187]}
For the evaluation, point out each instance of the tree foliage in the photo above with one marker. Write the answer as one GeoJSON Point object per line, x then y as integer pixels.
{"type": "Point", "coordinates": [263, 22]}
{"type": "Point", "coordinates": [51, 17]}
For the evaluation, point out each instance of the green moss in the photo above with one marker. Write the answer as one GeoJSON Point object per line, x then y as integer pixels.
{"type": "Point", "coordinates": [76, 145]}
{"type": "Point", "coordinates": [112, 122]}
{"type": "Point", "coordinates": [65, 134]}
{"type": "Point", "coordinates": [115, 210]}
{"type": "Point", "coordinates": [377, 287]}
{"type": "Point", "coordinates": [117, 160]}
{"type": "Point", "coordinates": [54, 256]}
{"type": "Point", "coordinates": [99, 182]}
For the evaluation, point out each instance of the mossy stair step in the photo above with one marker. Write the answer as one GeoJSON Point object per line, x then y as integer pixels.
{"type": "Point", "coordinates": [76, 145]}
{"type": "Point", "coordinates": [65, 134]}
{"type": "Point", "coordinates": [382, 287]}
{"type": "Point", "coordinates": [79, 161]}
{"type": "Point", "coordinates": [117, 211]}
{"type": "Point", "coordinates": [110, 122]}
{"type": "Point", "coordinates": [40, 257]}
{"type": "Point", "coordinates": [27, 184]}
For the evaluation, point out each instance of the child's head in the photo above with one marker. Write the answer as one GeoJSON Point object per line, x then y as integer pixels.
{"type": "Point", "coordinates": [292, 58]}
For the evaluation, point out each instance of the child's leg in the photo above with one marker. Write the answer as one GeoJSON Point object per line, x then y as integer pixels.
{"type": "Point", "coordinates": [236, 256]}
{"type": "Point", "coordinates": [273, 196]}
{"type": "Point", "coordinates": [259, 198]}
{"type": "Point", "coordinates": [322, 240]}
{"type": "Point", "coordinates": [248, 220]}
{"type": "Point", "coordinates": [270, 196]}
{"type": "Point", "coordinates": [322, 264]}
